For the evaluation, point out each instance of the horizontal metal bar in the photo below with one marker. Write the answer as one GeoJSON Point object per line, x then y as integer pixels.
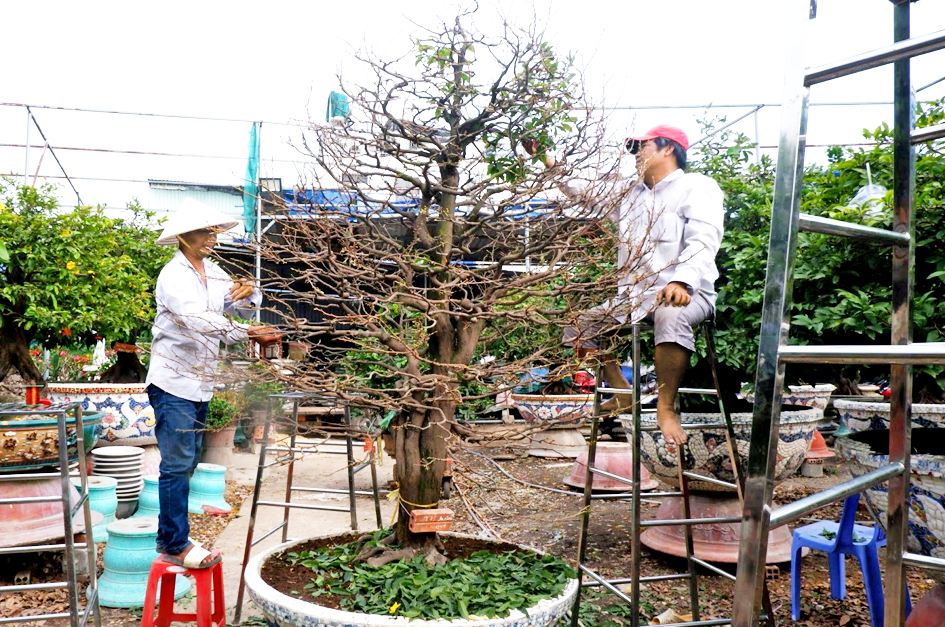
{"type": "Point", "coordinates": [610, 475]}
{"type": "Point", "coordinates": [797, 509]}
{"type": "Point", "coordinates": [269, 533]}
{"type": "Point", "coordinates": [616, 582]}
{"type": "Point", "coordinates": [333, 491]}
{"type": "Point", "coordinates": [37, 475]}
{"type": "Point", "coordinates": [665, 577]}
{"type": "Point", "coordinates": [36, 548]}
{"type": "Point", "coordinates": [54, 585]}
{"type": "Point", "coordinates": [714, 569]}
{"type": "Point", "coordinates": [609, 390]}
{"type": "Point", "coordinates": [326, 508]}
{"type": "Point", "coordinates": [923, 561]}
{"type": "Point", "coordinates": [306, 449]}
{"type": "Point", "coordinates": [876, 58]}
{"type": "Point", "coordinates": [32, 619]}
{"type": "Point", "coordinates": [78, 505]}
{"type": "Point", "coordinates": [708, 391]}
{"type": "Point", "coordinates": [647, 497]}
{"type": "Point", "coordinates": [688, 425]}
{"type": "Point", "coordinates": [712, 480]}
{"type": "Point", "coordinates": [277, 462]}
{"type": "Point", "coordinates": [927, 134]}
{"type": "Point", "coordinates": [828, 226]}
{"type": "Point", "coordinates": [31, 499]}
{"type": "Point", "coordinates": [600, 580]}
{"type": "Point", "coordinates": [670, 522]}
{"type": "Point", "coordinates": [905, 354]}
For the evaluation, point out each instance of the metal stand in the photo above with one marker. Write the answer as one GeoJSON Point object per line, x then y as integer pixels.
{"type": "Point", "coordinates": [353, 467]}
{"type": "Point", "coordinates": [684, 477]}
{"type": "Point", "coordinates": [66, 413]}
{"type": "Point", "coordinates": [774, 352]}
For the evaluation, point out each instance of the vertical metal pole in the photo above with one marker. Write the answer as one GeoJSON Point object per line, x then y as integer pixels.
{"type": "Point", "coordinates": [377, 496]}
{"type": "Point", "coordinates": [259, 195]}
{"type": "Point", "coordinates": [349, 449]}
{"type": "Point", "coordinates": [775, 322]}
{"type": "Point", "coordinates": [757, 140]}
{"type": "Point", "coordinates": [260, 469]}
{"type": "Point", "coordinates": [26, 166]}
{"type": "Point", "coordinates": [71, 577]}
{"type": "Point", "coordinates": [588, 492]}
{"type": "Point", "coordinates": [900, 423]}
{"type": "Point", "coordinates": [687, 528]}
{"type": "Point", "coordinates": [637, 435]}
{"type": "Point", "coordinates": [290, 472]}
{"type": "Point", "coordinates": [92, 596]}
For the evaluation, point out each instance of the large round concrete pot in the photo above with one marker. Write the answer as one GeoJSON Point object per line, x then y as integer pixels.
{"type": "Point", "coordinates": [868, 450]}
{"type": "Point", "coordinates": [218, 446]}
{"type": "Point", "coordinates": [559, 415]}
{"type": "Point", "coordinates": [707, 452]}
{"type": "Point", "coordinates": [717, 542]}
{"type": "Point", "coordinates": [32, 442]}
{"type": "Point", "coordinates": [865, 416]}
{"type": "Point", "coordinates": [37, 523]}
{"type": "Point", "coordinates": [281, 610]}
{"type": "Point", "coordinates": [129, 418]}
{"type": "Point", "coordinates": [615, 458]}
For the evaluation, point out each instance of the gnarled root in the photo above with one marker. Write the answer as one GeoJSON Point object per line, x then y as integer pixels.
{"type": "Point", "coordinates": [431, 555]}
{"type": "Point", "coordinates": [370, 551]}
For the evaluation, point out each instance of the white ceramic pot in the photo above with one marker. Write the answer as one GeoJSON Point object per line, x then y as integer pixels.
{"type": "Point", "coordinates": [866, 416]}
{"type": "Point", "coordinates": [129, 418]}
{"type": "Point", "coordinates": [286, 611]}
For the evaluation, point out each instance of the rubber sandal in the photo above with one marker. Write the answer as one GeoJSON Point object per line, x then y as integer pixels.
{"type": "Point", "coordinates": [194, 558]}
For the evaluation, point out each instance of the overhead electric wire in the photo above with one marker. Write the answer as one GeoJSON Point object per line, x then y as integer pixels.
{"type": "Point", "coordinates": [149, 115]}
{"type": "Point", "coordinates": [145, 153]}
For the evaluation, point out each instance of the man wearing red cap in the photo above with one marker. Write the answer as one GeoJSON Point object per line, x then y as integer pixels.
{"type": "Point", "coordinates": [670, 225]}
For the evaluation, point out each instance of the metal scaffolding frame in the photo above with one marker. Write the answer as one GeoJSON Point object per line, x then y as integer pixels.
{"type": "Point", "coordinates": [774, 353]}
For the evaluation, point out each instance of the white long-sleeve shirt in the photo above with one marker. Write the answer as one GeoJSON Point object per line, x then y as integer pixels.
{"type": "Point", "coordinates": [190, 324]}
{"type": "Point", "coordinates": [677, 226]}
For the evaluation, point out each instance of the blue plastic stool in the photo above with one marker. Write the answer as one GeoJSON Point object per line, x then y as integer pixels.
{"type": "Point", "coordinates": [837, 540]}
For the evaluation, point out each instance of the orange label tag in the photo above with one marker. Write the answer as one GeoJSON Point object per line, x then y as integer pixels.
{"type": "Point", "coordinates": [422, 521]}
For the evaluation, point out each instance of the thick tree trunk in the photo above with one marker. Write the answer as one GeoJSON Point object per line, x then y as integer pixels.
{"type": "Point", "coordinates": [15, 353]}
{"type": "Point", "coordinates": [126, 369]}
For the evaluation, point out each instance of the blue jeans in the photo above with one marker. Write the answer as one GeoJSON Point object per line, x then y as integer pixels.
{"type": "Point", "coordinates": [179, 427]}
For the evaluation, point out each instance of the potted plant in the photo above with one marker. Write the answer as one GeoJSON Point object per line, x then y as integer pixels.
{"type": "Point", "coordinates": [223, 411]}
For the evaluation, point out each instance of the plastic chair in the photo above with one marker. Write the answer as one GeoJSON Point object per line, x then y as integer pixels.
{"type": "Point", "coordinates": [837, 540]}
{"type": "Point", "coordinates": [210, 600]}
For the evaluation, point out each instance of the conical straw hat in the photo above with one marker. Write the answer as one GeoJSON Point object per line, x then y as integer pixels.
{"type": "Point", "coordinates": [193, 215]}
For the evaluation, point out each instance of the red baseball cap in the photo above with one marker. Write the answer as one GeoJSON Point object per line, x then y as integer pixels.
{"type": "Point", "coordinates": [663, 130]}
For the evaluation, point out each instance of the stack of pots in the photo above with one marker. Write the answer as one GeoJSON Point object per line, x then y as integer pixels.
{"type": "Point", "coordinates": [123, 463]}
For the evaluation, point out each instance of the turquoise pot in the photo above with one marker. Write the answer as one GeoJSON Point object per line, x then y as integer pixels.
{"type": "Point", "coordinates": [103, 499]}
{"type": "Point", "coordinates": [128, 556]}
{"type": "Point", "coordinates": [206, 488]}
{"type": "Point", "coordinates": [149, 501]}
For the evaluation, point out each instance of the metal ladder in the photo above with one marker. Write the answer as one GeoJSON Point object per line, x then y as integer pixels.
{"type": "Point", "coordinates": [78, 616]}
{"type": "Point", "coordinates": [329, 446]}
{"type": "Point", "coordinates": [683, 477]}
{"type": "Point", "coordinates": [774, 352]}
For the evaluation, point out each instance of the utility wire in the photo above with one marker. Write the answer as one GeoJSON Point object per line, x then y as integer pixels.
{"type": "Point", "coordinates": [148, 115]}
{"type": "Point", "coordinates": [146, 153]}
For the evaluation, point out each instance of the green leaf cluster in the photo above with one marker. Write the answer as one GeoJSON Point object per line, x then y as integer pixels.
{"type": "Point", "coordinates": [483, 584]}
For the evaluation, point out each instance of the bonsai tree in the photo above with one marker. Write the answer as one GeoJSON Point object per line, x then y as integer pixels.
{"type": "Point", "coordinates": [224, 409]}
{"type": "Point", "coordinates": [445, 237]}
{"type": "Point", "coordinates": [72, 274]}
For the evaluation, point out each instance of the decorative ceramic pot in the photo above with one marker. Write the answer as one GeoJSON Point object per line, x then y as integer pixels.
{"type": "Point", "coordinates": [615, 458]}
{"type": "Point", "coordinates": [206, 488]}
{"type": "Point", "coordinates": [707, 451]}
{"type": "Point", "coordinates": [37, 523]}
{"type": "Point", "coordinates": [282, 610]}
{"type": "Point", "coordinates": [129, 419]}
{"type": "Point", "coordinates": [149, 501]}
{"type": "Point", "coordinates": [128, 556]}
{"type": "Point", "coordinates": [808, 395]}
{"type": "Point", "coordinates": [28, 443]}
{"type": "Point", "coordinates": [558, 410]}
{"type": "Point", "coordinates": [864, 416]}
{"type": "Point", "coordinates": [102, 499]}
{"type": "Point", "coordinates": [868, 450]}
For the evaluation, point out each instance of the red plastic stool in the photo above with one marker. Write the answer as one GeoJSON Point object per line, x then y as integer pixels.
{"type": "Point", "coordinates": [165, 572]}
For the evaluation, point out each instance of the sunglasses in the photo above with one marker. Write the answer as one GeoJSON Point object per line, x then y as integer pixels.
{"type": "Point", "coordinates": [635, 145]}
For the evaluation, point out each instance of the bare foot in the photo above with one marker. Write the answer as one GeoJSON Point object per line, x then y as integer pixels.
{"type": "Point", "coordinates": [668, 423]}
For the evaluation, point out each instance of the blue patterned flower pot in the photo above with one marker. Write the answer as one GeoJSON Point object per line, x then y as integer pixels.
{"type": "Point", "coordinates": [128, 556]}
{"type": "Point", "coordinates": [284, 611]}
{"type": "Point", "coordinates": [706, 452]}
{"type": "Point", "coordinates": [868, 450]}
{"type": "Point", "coordinates": [564, 410]}
{"type": "Point", "coordinates": [874, 415]}
{"type": "Point", "coordinates": [102, 499]}
{"type": "Point", "coordinates": [129, 419]}
{"type": "Point", "coordinates": [149, 501]}
{"type": "Point", "coordinates": [206, 488]}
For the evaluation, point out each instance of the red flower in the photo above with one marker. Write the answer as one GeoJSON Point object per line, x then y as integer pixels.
{"type": "Point", "coordinates": [78, 357]}
{"type": "Point", "coordinates": [63, 353]}
{"type": "Point", "coordinates": [35, 352]}
{"type": "Point", "coordinates": [66, 332]}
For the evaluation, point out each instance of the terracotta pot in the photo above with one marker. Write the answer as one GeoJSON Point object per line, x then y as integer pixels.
{"type": "Point", "coordinates": [285, 611]}
{"type": "Point", "coordinates": [37, 523]}
{"type": "Point", "coordinates": [615, 458]}
{"type": "Point", "coordinates": [129, 418]}
{"type": "Point", "coordinates": [715, 542]}
{"type": "Point", "coordinates": [218, 446]}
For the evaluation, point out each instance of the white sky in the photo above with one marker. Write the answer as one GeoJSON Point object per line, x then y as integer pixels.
{"type": "Point", "coordinates": [276, 60]}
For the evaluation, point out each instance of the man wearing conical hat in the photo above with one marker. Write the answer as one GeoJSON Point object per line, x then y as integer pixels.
{"type": "Point", "coordinates": [194, 297]}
